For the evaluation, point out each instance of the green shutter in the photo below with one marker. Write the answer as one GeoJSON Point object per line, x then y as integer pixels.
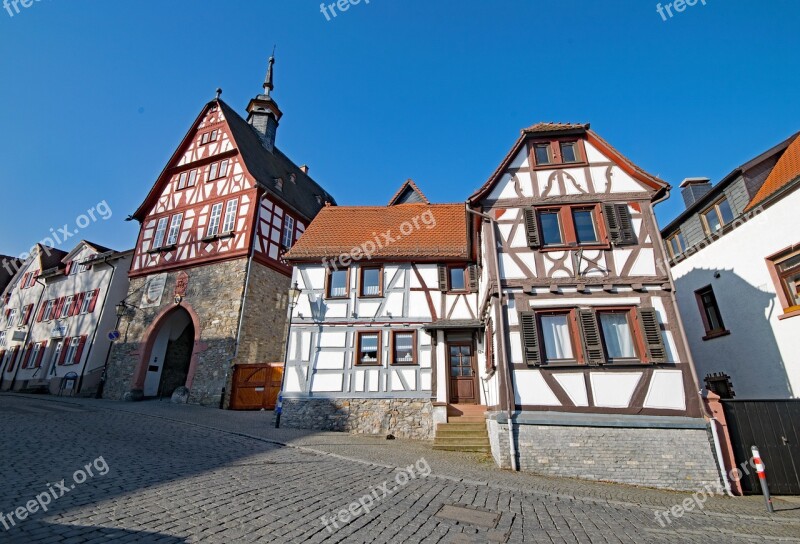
{"type": "Point", "coordinates": [531, 228]}
{"type": "Point", "coordinates": [590, 332]}
{"type": "Point", "coordinates": [530, 339]}
{"type": "Point", "coordinates": [473, 278]}
{"type": "Point", "coordinates": [612, 223]}
{"type": "Point", "coordinates": [627, 234]}
{"type": "Point", "coordinates": [651, 330]}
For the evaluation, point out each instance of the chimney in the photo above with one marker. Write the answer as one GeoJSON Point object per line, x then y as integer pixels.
{"type": "Point", "coordinates": [304, 168]}
{"type": "Point", "coordinates": [693, 189]}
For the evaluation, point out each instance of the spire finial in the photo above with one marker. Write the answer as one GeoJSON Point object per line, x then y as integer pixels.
{"type": "Point", "coordinates": [268, 82]}
{"type": "Point", "coordinates": [219, 92]}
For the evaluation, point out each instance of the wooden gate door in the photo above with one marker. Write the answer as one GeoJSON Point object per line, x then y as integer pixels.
{"type": "Point", "coordinates": [256, 387]}
{"type": "Point", "coordinates": [773, 426]}
{"type": "Point", "coordinates": [463, 377]}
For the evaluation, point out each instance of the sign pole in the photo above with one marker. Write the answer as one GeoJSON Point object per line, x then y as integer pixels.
{"type": "Point", "coordinates": [762, 478]}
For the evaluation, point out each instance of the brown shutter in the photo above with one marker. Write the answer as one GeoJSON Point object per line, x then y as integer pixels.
{"type": "Point", "coordinates": [651, 330]}
{"type": "Point", "coordinates": [530, 339]}
{"type": "Point", "coordinates": [442, 277]}
{"type": "Point", "coordinates": [590, 332]}
{"type": "Point", "coordinates": [627, 234]}
{"type": "Point", "coordinates": [472, 270]}
{"type": "Point", "coordinates": [531, 228]}
{"type": "Point", "coordinates": [40, 316]}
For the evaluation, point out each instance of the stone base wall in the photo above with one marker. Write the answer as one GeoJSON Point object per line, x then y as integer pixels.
{"type": "Point", "coordinates": [404, 418]}
{"type": "Point", "coordinates": [678, 459]}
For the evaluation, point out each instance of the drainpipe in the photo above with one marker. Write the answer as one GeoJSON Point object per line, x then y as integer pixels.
{"type": "Point", "coordinates": [507, 372]}
{"type": "Point", "coordinates": [720, 460]}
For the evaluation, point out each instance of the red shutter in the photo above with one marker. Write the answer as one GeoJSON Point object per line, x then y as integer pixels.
{"type": "Point", "coordinates": [93, 303]}
{"type": "Point", "coordinates": [32, 281]}
{"type": "Point", "coordinates": [40, 317]}
{"type": "Point", "coordinates": [64, 349]}
{"type": "Point", "coordinates": [58, 307]}
{"type": "Point", "coordinates": [13, 361]}
{"type": "Point", "coordinates": [24, 281]}
{"type": "Point", "coordinates": [42, 347]}
{"type": "Point", "coordinates": [28, 311]}
{"type": "Point", "coordinates": [79, 351]}
{"type": "Point", "coordinates": [73, 309]}
{"type": "Point", "coordinates": [68, 268]}
{"type": "Point", "coordinates": [27, 356]}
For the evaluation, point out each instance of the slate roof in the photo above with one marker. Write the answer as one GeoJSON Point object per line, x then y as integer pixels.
{"type": "Point", "coordinates": [339, 229]}
{"type": "Point", "coordinates": [783, 174]}
{"type": "Point", "coordinates": [5, 275]}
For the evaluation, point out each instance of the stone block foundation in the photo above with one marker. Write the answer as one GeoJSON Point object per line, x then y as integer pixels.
{"type": "Point", "coordinates": [679, 458]}
{"type": "Point", "coordinates": [404, 418]}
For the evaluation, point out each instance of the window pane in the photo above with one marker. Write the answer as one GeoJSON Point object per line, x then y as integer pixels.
{"type": "Point", "coordinates": [551, 228]}
{"type": "Point", "coordinates": [725, 211]}
{"type": "Point", "coordinates": [617, 335]}
{"type": "Point", "coordinates": [542, 154]}
{"type": "Point", "coordinates": [161, 229]}
{"type": "Point", "coordinates": [457, 281]}
{"type": "Point", "coordinates": [557, 341]}
{"type": "Point", "coordinates": [213, 222]}
{"type": "Point", "coordinates": [174, 229]}
{"type": "Point", "coordinates": [371, 281]}
{"type": "Point", "coordinates": [584, 226]}
{"type": "Point", "coordinates": [713, 220]}
{"type": "Point", "coordinates": [404, 348]}
{"type": "Point", "coordinates": [712, 311]}
{"type": "Point", "coordinates": [792, 284]}
{"type": "Point", "coordinates": [338, 283]}
{"type": "Point", "coordinates": [287, 236]}
{"type": "Point", "coordinates": [675, 245]}
{"type": "Point", "coordinates": [789, 263]}
{"type": "Point", "coordinates": [568, 152]}
{"type": "Point", "coordinates": [369, 348]}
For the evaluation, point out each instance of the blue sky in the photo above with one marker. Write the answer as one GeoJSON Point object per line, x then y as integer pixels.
{"type": "Point", "coordinates": [96, 95]}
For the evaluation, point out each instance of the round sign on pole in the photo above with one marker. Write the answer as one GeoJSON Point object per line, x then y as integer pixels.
{"type": "Point", "coordinates": [113, 336]}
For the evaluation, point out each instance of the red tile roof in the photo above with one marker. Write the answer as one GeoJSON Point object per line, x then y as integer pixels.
{"type": "Point", "coordinates": [440, 232]}
{"type": "Point", "coordinates": [785, 171]}
{"type": "Point", "coordinates": [554, 127]}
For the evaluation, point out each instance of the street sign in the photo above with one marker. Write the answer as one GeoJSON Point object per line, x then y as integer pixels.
{"type": "Point", "coordinates": [114, 336]}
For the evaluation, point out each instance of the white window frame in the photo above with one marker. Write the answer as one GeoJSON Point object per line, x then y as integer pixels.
{"type": "Point", "coordinates": [65, 308]}
{"type": "Point", "coordinates": [213, 171]}
{"type": "Point", "coordinates": [161, 231]}
{"type": "Point", "coordinates": [74, 268]}
{"type": "Point", "coordinates": [213, 220]}
{"type": "Point", "coordinates": [57, 353]}
{"type": "Point", "coordinates": [2, 338]}
{"type": "Point", "coordinates": [87, 300]}
{"type": "Point", "coordinates": [21, 316]}
{"type": "Point", "coordinates": [37, 347]}
{"type": "Point", "coordinates": [288, 232]}
{"type": "Point", "coordinates": [223, 168]}
{"type": "Point", "coordinates": [174, 229]}
{"type": "Point", "coordinates": [192, 181]}
{"type": "Point", "coordinates": [72, 349]}
{"type": "Point", "coordinates": [48, 309]}
{"type": "Point", "coordinates": [230, 215]}
{"type": "Point", "coordinates": [12, 315]}
{"type": "Point", "coordinates": [182, 178]}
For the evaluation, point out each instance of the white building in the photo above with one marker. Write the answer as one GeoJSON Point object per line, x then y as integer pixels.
{"type": "Point", "coordinates": [66, 308]}
{"type": "Point", "coordinates": [735, 256]}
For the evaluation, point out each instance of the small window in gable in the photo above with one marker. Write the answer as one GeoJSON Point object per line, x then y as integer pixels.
{"type": "Point", "coordinates": [542, 154]}
{"type": "Point", "coordinates": [569, 152]}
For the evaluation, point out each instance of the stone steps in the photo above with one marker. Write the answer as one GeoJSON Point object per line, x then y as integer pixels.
{"type": "Point", "coordinates": [463, 433]}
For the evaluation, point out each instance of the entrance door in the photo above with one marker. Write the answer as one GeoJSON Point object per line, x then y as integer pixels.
{"type": "Point", "coordinates": [463, 378]}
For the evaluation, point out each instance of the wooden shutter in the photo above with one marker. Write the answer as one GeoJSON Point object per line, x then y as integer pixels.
{"type": "Point", "coordinates": [472, 271]}
{"type": "Point", "coordinates": [93, 303]}
{"type": "Point", "coordinates": [57, 307]}
{"type": "Point", "coordinates": [27, 355]}
{"type": "Point", "coordinates": [64, 349]}
{"type": "Point", "coordinates": [79, 350]}
{"type": "Point", "coordinates": [26, 315]}
{"type": "Point", "coordinates": [590, 332]}
{"type": "Point", "coordinates": [40, 316]}
{"type": "Point", "coordinates": [651, 330]}
{"type": "Point", "coordinates": [531, 228]}
{"type": "Point", "coordinates": [627, 234]}
{"type": "Point", "coordinates": [530, 339]}
{"type": "Point", "coordinates": [13, 362]}
{"type": "Point", "coordinates": [442, 278]}
{"type": "Point", "coordinates": [79, 303]}
{"type": "Point", "coordinates": [612, 223]}
{"type": "Point", "coordinates": [24, 283]}
{"type": "Point", "coordinates": [42, 347]}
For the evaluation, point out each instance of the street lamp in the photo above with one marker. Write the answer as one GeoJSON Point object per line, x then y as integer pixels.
{"type": "Point", "coordinates": [121, 308]}
{"type": "Point", "coordinates": [294, 297]}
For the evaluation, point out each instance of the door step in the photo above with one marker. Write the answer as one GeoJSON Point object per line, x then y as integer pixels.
{"type": "Point", "coordinates": [457, 436]}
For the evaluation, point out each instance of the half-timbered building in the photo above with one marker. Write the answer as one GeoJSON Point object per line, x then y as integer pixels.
{"type": "Point", "coordinates": [208, 278]}
{"type": "Point", "coordinates": [590, 370]}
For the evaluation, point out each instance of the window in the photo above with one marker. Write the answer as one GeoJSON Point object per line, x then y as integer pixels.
{"type": "Point", "coordinates": [371, 281]}
{"type": "Point", "coordinates": [182, 180]}
{"type": "Point", "coordinates": [25, 315]}
{"type": "Point", "coordinates": [65, 309]}
{"type": "Point", "coordinates": [287, 236]}
{"type": "Point", "coordinates": [617, 335]}
{"type": "Point", "coordinates": [218, 170]}
{"type": "Point", "coordinates": [192, 179]}
{"type": "Point", "coordinates": [230, 216]}
{"type": "Point", "coordinates": [369, 352]}
{"type": "Point", "coordinates": [550, 225]}
{"type": "Point", "coordinates": [73, 268]}
{"type": "Point", "coordinates": [569, 152]}
{"type": "Point", "coordinates": [337, 283]}
{"type": "Point", "coordinates": [542, 154]}
{"type": "Point", "coordinates": [458, 279]}
{"type": "Point", "coordinates": [2, 338]}
{"type": "Point", "coordinates": [87, 302]}
{"type": "Point", "coordinates": [404, 348]}
{"type": "Point", "coordinates": [557, 337]}
{"type": "Point", "coordinates": [710, 313]}
{"type": "Point", "coordinates": [223, 168]}
{"type": "Point", "coordinates": [208, 137]}
{"type": "Point", "coordinates": [32, 362]}
{"type": "Point", "coordinates": [72, 351]}
{"type": "Point", "coordinates": [785, 271]}
{"type": "Point", "coordinates": [717, 216]}
{"type": "Point", "coordinates": [48, 310]}
{"type": "Point", "coordinates": [161, 229]}
{"type": "Point", "coordinates": [174, 229]}
{"type": "Point", "coordinates": [213, 222]}
{"type": "Point", "coordinates": [212, 174]}
{"type": "Point", "coordinates": [57, 353]}
{"type": "Point", "coordinates": [585, 231]}
{"type": "Point", "coordinates": [676, 244]}
{"type": "Point", "coordinates": [11, 315]}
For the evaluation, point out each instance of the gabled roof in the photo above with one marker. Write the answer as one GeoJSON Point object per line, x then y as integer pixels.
{"type": "Point", "coordinates": [436, 232]}
{"type": "Point", "coordinates": [8, 267]}
{"type": "Point", "coordinates": [407, 194]}
{"type": "Point", "coordinates": [786, 171]}
{"type": "Point", "coordinates": [303, 194]}
{"type": "Point", "coordinates": [75, 250]}
{"type": "Point", "coordinates": [50, 256]}
{"type": "Point", "coordinates": [542, 130]}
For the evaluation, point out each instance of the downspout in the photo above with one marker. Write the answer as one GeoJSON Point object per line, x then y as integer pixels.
{"type": "Point", "coordinates": [507, 374]}
{"type": "Point", "coordinates": [720, 460]}
{"type": "Point", "coordinates": [97, 326]}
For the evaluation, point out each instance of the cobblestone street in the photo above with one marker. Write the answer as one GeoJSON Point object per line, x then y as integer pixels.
{"type": "Point", "coordinates": [190, 474]}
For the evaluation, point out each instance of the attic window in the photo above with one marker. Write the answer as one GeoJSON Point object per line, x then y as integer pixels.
{"type": "Point", "coordinates": [293, 177]}
{"type": "Point", "coordinates": [555, 152]}
{"type": "Point", "coordinates": [279, 184]}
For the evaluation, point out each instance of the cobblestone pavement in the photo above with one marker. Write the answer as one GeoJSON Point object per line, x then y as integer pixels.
{"type": "Point", "coordinates": [189, 474]}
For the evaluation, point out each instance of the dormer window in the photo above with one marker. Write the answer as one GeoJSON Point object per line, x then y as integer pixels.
{"type": "Point", "coordinates": [569, 153]}
{"type": "Point", "coordinates": [558, 152]}
{"type": "Point", "coordinates": [279, 184]}
{"type": "Point", "coordinates": [542, 154]}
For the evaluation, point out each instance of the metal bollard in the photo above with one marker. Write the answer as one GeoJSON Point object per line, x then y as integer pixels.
{"type": "Point", "coordinates": [762, 478]}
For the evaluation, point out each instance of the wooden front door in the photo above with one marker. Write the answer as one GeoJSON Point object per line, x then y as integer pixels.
{"type": "Point", "coordinates": [256, 387]}
{"type": "Point", "coordinates": [463, 377]}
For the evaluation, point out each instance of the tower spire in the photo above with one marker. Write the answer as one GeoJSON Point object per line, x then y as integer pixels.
{"type": "Point", "coordinates": [269, 85]}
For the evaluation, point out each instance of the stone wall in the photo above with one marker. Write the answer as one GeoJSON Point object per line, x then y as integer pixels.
{"type": "Point", "coordinates": [404, 418]}
{"type": "Point", "coordinates": [214, 293]}
{"type": "Point", "coordinates": [679, 459]}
